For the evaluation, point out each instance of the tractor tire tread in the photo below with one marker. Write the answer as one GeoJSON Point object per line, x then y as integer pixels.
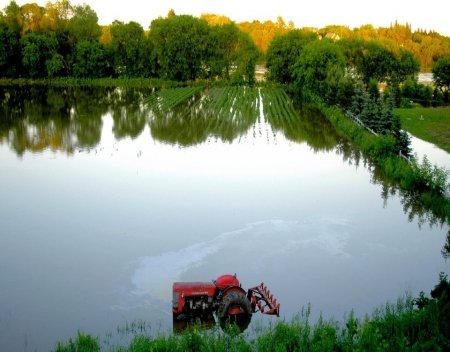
{"type": "Point", "coordinates": [235, 299]}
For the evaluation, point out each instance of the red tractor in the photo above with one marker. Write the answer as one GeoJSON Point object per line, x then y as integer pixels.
{"type": "Point", "coordinates": [223, 297]}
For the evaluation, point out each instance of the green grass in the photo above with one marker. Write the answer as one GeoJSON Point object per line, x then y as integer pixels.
{"type": "Point", "coordinates": [429, 124]}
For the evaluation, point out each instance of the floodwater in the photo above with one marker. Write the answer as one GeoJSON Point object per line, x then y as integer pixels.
{"type": "Point", "coordinates": [103, 205]}
{"type": "Point", "coordinates": [434, 154]}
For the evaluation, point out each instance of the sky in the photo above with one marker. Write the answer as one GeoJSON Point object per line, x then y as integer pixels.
{"type": "Point", "coordinates": [429, 15]}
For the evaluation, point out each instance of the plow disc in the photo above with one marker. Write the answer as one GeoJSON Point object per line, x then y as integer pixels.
{"type": "Point", "coordinates": [261, 299]}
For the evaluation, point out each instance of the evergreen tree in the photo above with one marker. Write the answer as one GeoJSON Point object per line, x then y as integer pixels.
{"type": "Point", "coordinates": [379, 122]}
{"type": "Point", "coordinates": [357, 100]}
{"type": "Point", "coordinates": [402, 138]}
{"type": "Point", "coordinates": [370, 112]}
{"type": "Point", "coordinates": [389, 113]}
{"type": "Point", "coordinates": [372, 89]}
{"type": "Point", "coordinates": [438, 97]}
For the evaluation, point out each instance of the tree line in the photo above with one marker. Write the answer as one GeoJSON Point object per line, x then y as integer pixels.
{"type": "Point", "coordinates": [332, 68]}
{"type": "Point", "coordinates": [427, 46]}
{"type": "Point", "coordinates": [61, 40]}
{"type": "Point", "coordinates": [350, 73]}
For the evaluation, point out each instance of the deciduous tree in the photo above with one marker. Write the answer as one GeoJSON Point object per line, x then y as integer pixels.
{"type": "Point", "coordinates": [89, 60]}
{"type": "Point", "coordinates": [37, 49]}
{"type": "Point", "coordinates": [375, 62]}
{"type": "Point", "coordinates": [13, 17]}
{"type": "Point", "coordinates": [83, 25]}
{"type": "Point", "coordinates": [441, 73]}
{"type": "Point", "coordinates": [320, 69]}
{"type": "Point", "coordinates": [179, 45]}
{"type": "Point", "coordinates": [32, 15]}
{"type": "Point", "coordinates": [406, 66]}
{"type": "Point", "coordinates": [246, 57]}
{"type": "Point", "coordinates": [130, 49]}
{"type": "Point", "coordinates": [283, 53]}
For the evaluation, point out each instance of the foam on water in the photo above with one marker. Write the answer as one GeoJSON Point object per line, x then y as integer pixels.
{"type": "Point", "coordinates": [250, 248]}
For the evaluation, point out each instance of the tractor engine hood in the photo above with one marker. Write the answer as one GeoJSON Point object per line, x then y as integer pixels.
{"type": "Point", "coordinates": [195, 288]}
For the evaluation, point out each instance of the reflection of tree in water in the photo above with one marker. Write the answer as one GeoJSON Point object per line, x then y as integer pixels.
{"type": "Point", "coordinates": [446, 248]}
{"type": "Point", "coordinates": [350, 154]}
{"type": "Point", "coordinates": [411, 201]}
{"type": "Point", "coordinates": [129, 113]}
{"type": "Point", "coordinates": [321, 135]}
{"type": "Point", "coordinates": [303, 124]}
{"type": "Point", "coordinates": [231, 111]}
{"type": "Point", "coordinates": [224, 113]}
{"type": "Point", "coordinates": [88, 106]}
{"type": "Point", "coordinates": [35, 118]}
{"type": "Point", "coordinates": [412, 205]}
{"type": "Point", "coordinates": [179, 125]}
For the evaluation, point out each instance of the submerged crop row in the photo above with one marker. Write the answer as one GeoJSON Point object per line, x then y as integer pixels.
{"type": "Point", "coordinates": [190, 115]}
{"type": "Point", "coordinates": [229, 103]}
{"type": "Point", "coordinates": [278, 106]}
{"type": "Point", "coordinates": [167, 99]}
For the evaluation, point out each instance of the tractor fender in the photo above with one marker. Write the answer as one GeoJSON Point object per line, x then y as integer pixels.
{"type": "Point", "coordinates": [221, 294]}
{"type": "Point", "coordinates": [227, 290]}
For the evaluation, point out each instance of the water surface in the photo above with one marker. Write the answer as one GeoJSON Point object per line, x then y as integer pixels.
{"type": "Point", "coordinates": [105, 202]}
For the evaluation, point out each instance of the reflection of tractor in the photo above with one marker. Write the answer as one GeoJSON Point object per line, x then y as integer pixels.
{"type": "Point", "coordinates": [225, 297]}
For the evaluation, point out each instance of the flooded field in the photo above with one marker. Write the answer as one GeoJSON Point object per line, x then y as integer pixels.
{"type": "Point", "coordinates": [108, 196]}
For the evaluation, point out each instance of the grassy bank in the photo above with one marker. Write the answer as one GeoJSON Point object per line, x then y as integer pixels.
{"type": "Point", "coordinates": [94, 82]}
{"type": "Point", "coordinates": [426, 184]}
{"type": "Point", "coordinates": [421, 324]}
{"type": "Point", "coordinates": [429, 124]}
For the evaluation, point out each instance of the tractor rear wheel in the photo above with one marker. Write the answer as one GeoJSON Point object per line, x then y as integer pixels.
{"type": "Point", "coordinates": [235, 308]}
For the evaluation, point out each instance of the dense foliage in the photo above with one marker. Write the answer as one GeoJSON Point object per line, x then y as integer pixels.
{"type": "Point", "coordinates": [291, 54]}
{"type": "Point", "coordinates": [283, 53]}
{"type": "Point", "coordinates": [61, 40]}
{"type": "Point", "coordinates": [320, 70]}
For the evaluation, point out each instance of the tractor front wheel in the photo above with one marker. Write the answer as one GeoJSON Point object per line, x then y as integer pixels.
{"type": "Point", "coordinates": [235, 308]}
